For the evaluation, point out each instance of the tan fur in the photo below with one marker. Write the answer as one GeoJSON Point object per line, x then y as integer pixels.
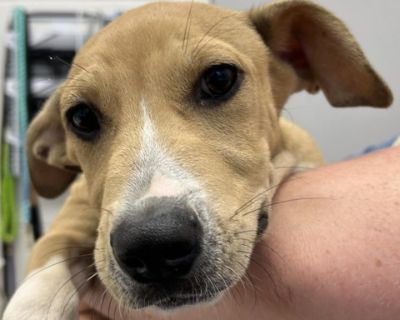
{"type": "Point", "coordinates": [299, 143]}
{"type": "Point", "coordinates": [66, 236]}
{"type": "Point", "coordinates": [243, 143]}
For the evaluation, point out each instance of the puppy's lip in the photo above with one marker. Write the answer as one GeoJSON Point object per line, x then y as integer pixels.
{"type": "Point", "coordinates": [179, 301]}
{"type": "Point", "coordinates": [174, 300]}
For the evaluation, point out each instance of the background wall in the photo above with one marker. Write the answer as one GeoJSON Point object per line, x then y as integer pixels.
{"type": "Point", "coordinates": [341, 132]}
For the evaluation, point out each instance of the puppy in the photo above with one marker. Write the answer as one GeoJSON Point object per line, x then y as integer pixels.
{"type": "Point", "coordinates": [169, 127]}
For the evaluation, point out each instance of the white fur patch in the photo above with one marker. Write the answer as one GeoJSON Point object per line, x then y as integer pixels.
{"type": "Point", "coordinates": [156, 174]}
{"type": "Point", "coordinates": [47, 293]}
{"type": "Point", "coordinates": [162, 186]}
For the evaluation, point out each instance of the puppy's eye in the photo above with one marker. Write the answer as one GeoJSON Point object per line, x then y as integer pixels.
{"type": "Point", "coordinates": [84, 121]}
{"type": "Point", "coordinates": [219, 82]}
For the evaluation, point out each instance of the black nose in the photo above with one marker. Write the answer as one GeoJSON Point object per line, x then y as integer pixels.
{"type": "Point", "coordinates": [159, 242]}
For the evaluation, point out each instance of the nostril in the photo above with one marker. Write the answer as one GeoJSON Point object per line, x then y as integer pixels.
{"type": "Point", "coordinates": [160, 244]}
{"type": "Point", "coordinates": [184, 260]}
{"type": "Point", "coordinates": [140, 268]}
{"type": "Point", "coordinates": [137, 264]}
{"type": "Point", "coordinates": [176, 250]}
{"type": "Point", "coordinates": [181, 253]}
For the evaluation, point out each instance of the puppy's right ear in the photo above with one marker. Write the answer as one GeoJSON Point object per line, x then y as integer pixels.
{"type": "Point", "coordinates": [50, 168]}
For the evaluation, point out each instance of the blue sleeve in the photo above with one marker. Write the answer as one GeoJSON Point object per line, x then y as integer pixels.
{"type": "Point", "coordinates": [387, 144]}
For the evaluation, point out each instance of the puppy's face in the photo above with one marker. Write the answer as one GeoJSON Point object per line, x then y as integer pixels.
{"type": "Point", "coordinates": [172, 137]}
{"type": "Point", "coordinates": [171, 113]}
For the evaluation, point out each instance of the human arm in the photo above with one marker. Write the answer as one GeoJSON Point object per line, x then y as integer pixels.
{"type": "Point", "coordinates": [332, 255]}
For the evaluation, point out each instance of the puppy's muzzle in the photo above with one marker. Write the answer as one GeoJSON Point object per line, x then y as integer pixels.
{"type": "Point", "coordinates": [159, 243]}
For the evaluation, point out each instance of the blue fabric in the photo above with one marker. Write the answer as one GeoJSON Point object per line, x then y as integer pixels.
{"type": "Point", "coordinates": [384, 145]}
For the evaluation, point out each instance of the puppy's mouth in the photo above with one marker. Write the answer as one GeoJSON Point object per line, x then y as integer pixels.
{"type": "Point", "coordinates": [179, 301]}
{"type": "Point", "coordinates": [200, 288]}
{"type": "Point", "coordinates": [171, 303]}
{"type": "Point", "coordinates": [184, 259]}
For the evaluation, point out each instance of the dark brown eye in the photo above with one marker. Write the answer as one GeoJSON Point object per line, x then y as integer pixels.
{"type": "Point", "coordinates": [83, 121]}
{"type": "Point", "coordinates": [219, 82]}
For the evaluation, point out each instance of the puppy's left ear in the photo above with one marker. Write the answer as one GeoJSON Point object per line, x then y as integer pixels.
{"type": "Point", "coordinates": [51, 169]}
{"type": "Point", "coordinates": [322, 52]}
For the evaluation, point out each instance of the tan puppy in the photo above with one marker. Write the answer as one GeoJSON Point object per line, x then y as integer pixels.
{"type": "Point", "coordinates": [172, 114]}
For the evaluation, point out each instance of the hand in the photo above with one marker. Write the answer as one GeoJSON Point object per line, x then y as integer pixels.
{"type": "Point", "coordinates": [331, 251]}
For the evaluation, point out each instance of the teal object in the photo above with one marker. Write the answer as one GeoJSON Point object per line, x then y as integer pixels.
{"type": "Point", "coordinates": [20, 28]}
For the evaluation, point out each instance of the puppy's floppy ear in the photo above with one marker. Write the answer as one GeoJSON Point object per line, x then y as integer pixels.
{"type": "Point", "coordinates": [322, 52]}
{"type": "Point", "coordinates": [50, 169]}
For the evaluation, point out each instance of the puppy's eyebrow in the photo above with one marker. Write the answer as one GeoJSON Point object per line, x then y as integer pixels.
{"type": "Point", "coordinates": [198, 48]}
{"type": "Point", "coordinates": [68, 98]}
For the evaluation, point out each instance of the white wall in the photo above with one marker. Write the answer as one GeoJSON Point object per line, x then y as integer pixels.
{"type": "Point", "coordinates": [340, 132]}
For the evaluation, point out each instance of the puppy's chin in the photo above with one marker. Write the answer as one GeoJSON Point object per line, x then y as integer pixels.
{"type": "Point", "coordinates": [170, 306]}
{"type": "Point", "coordinates": [176, 302]}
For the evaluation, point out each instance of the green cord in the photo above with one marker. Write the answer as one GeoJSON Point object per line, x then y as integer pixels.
{"type": "Point", "coordinates": [9, 215]}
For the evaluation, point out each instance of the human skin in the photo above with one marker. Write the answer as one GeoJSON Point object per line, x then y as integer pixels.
{"type": "Point", "coordinates": [331, 251]}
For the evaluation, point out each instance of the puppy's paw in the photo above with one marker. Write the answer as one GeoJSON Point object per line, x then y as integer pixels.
{"type": "Point", "coordinates": [47, 294]}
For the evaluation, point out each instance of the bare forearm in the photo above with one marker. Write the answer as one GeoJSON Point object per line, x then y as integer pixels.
{"type": "Point", "coordinates": [331, 250]}
{"type": "Point", "coordinates": [339, 249]}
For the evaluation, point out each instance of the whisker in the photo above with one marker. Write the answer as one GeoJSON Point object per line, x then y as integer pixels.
{"type": "Point", "coordinates": [186, 35]}
{"type": "Point", "coordinates": [115, 311]}
{"type": "Point", "coordinates": [71, 248]}
{"type": "Point", "coordinates": [248, 203]}
{"type": "Point", "coordinates": [92, 299]}
{"type": "Point", "coordinates": [197, 48]}
{"type": "Point", "coordinates": [250, 244]}
{"type": "Point", "coordinates": [102, 299]}
{"type": "Point", "coordinates": [72, 64]}
{"type": "Point", "coordinates": [64, 284]}
{"type": "Point", "coordinates": [268, 205]}
{"type": "Point", "coordinates": [109, 308]}
{"type": "Point", "coordinates": [262, 267]}
{"type": "Point", "coordinates": [243, 279]}
{"type": "Point", "coordinates": [264, 244]}
{"type": "Point", "coordinates": [190, 26]}
{"type": "Point", "coordinates": [248, 277]}
{"type": "Point", "coordinates": [247, 245]}
{"type": "Point", "coordinates": [219, 276]}
{"type": "Point", "coordinates": [75, 79]}
{"type": "Point", "coordinates": [289, 114]}
{"type": "Point", "coordinates": [86, 282]}
{"type": "Point", "coordinates": [244, 231]}
{"type": "Point", "coordinates": [125, 308]}
{"type": "Point", "coordinates": [253, 199]}
{"type": "Point", "coordinates": [54, 264]}
{"type": "Point", "coordinates": [269, 275]}
{"type": "Point", "coordinates": [119, 308]}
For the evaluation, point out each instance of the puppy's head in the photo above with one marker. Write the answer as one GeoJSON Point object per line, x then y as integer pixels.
{"type": "Point", "coordinates": [171, 114]}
